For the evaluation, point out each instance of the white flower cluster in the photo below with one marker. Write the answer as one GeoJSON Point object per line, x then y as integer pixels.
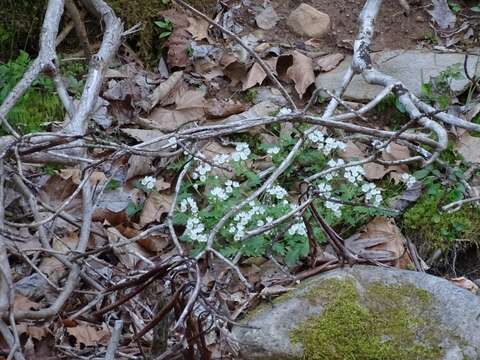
{"type": "Point", "coordinates": [327, 145]}
{"type": "Point", "coordinates": [298, 229]}
{"type": "Point", "coordinates": [172, 142]}
{"type": "Point", "coordinates": [273, 150]}
{"type": "Point", "coordinates": [220, 159]}
{"type": "Point", "coordinates": [242, 150]}
{"type": "Point", "coordinates": [277, 191]}
{"type": "Point", "coordinates": [409, 180]}
{"type": "Point", "coordinates": [243, 218]}
{"type": "Point", "coordinates": [195, 230]}
{"type": "Point", "coordinates": [332, 163]}
{"type": "Point", "coordinates": [284, 111]}
{"type": "Point", "coordinates": [188, 202]}
{"type": "Point", "coordinates": [219, 193]}
{"type": "Point", "coordinates": [372, 193]}
{"type": "Point", "coordinates": [325, 189]}
{"type": "Point", "coordinates": [230, 185]}
{"type": "Point", "coordinates": [335, 207]}
{"type": "Point", "coordinates": [148, 182]}
{"type": "Point", "coordinates": [201, 172]}
{"type": "Point", "coordinates": [354, 174]}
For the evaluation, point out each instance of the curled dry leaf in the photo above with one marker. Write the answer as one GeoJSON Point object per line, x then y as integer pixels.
{"type": "Point", "coordinates": [301, 72]}
{"type": "Point", "coordinates": [256, 75]}
{"type": "Point", "coordinates": [189, 106]}
{"type": "Point", "coordinates": [164, 89]}
{"type": "Point", "coordinates": [89, 335]}
{"type": "Point", "coordinates": [130, 254]}
{"type": "Point", "coordinates": [329, 62]}
{"type": "Point", "coordinates": [465, 283]}
{"type": "Point", "coordinates": [381, 240]}
{"type": "Point", "coordinates": [155, 206]}
{"type": "Point", "coordinates": [373, 171]}
{"type": "Point", "coordinates": [218, 109]}
{"type": "Point", "coordinates": [23, 303]}
{"type": "Point", "coordinates": [199, 29]}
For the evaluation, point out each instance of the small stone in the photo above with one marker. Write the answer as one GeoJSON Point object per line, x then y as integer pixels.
{"type": "Point", "coordinates": [419, 18]}
{"type": "Point", "coordinates": [305, 20]}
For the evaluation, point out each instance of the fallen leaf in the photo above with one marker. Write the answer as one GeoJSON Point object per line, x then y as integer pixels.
{"type": "Point", "coordinates": [179, 40]}
{"type": "Point", "coordinates": [217, 109]}
{"type": "Point", "coordinates": [373, 171]}
{"type": "Point", "coordinates": [155, 206]}
{"type": "Point", "coordinates": [469, 147]}
{"type": "Point", "coordinates": [23, 303]}
{"type": "Point", "coordinates": [130, 254]}
{"type": "Point", "coordinates": [37, 332]}
{"type": "Point", "coordinates": [189, 106]}
{"type": "Point", "coordinates": [380, 240]}
{"type": "Point", "coordinates": [465, 283]}
{"type": "Point", "coordinates": [301, 72]}
{"type": "Point", "coordinates": [267, 18]}
{"type": "Point", "coordinates": [329, 62]}
{"type": "Point", "coordinates": [199, 29]}
{"type": "Point", "coordinates": [89, 335]}
{"type": "Point", "coordinates": [255, 76]}
{"type": "Point", "coordinates": [163, 90]}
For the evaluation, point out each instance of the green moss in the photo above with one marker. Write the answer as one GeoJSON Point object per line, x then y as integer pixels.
{"type": "Point", "coordinates": [435, 229]}
{"type": "Point", "coordinates": [389, 326]}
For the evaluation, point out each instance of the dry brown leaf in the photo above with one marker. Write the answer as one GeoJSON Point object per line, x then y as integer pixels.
{"type": "Point", "coordinates": [130, 254]}
{"type": "Point", "coordinates": [23, 303]}
{"type": "Point", "coordinates": [329, 62]}
{"type": "Point", "coordinates": [164, 89]}
{"type": "Point", "coordinates": [301, 72]}
{"type": "Point", "coordinates": [255, 76]}
{"type": "Point", "coordinates": [89, 335]}
{"type": "Point", "coordinates": [465, 283]}
{"type": "Point", "coordinates": [381, 240]}
{"type": "Point", "coordinates": [217, 109]}
{"type": "Point", "coordinates": [156, 205]}
{"type": "Point", "coordinates": [373, 171]}
{"type": "Point", "coordinates": [469, 147]}
{"type": "Point", "coordinates": [37, 332]}
{"type": "Point", "coordinates": [179, 40]}
{"type": "Point", "coordinates": [189, 106]}
{"type": "Point", "coordinates": [199, 29]}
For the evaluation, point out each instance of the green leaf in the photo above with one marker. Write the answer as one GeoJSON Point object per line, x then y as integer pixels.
{"type": "Point", "coordinates": [165, 34]}
{"type": "Point", "coordinates": [475, 8]}
{"type": "Point", "coordinates": [133, 208]}
{"type": "Point", "coordinates": [112, 185]}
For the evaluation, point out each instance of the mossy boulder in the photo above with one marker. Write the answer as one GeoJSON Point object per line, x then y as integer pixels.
{"type": "Point", "coordinates": [366, 313]}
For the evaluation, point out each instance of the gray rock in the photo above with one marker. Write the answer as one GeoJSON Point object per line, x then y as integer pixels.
{"type": "Point", "coordinates": [446, 318]}
{"type": "Point", "coordinates": [411, 67]}
{"type": "Point", "coordinates": [305, 20]}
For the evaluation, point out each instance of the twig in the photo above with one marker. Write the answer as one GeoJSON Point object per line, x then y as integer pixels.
{"type": "Point", "coordinates": [114, 340]}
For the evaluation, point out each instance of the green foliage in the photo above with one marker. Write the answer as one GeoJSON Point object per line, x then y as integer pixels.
{"type": "Point", "coordinates": [390, 325]}
{"type": "Point", "coordinates": [38, 106]}
{"type": "Point", "coordinates": [166, 28]}
{"type": "Point", "coordinates": [250, 95]}
{"type": "Point", "coordinates": [456, 8]}
{"type": "Point", "coordinates": [438, 89]}
{"type": "Point", "coordinates": [434, 228]}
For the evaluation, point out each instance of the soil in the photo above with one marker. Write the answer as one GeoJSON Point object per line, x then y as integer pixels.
{"type": "Point", "coordinates": [394, 29]}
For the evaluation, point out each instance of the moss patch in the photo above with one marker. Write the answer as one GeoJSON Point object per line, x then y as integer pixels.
{"type": "Point", "coordinates": [389, 326]}
{"type": "Point", "coordinates": [435, 229]}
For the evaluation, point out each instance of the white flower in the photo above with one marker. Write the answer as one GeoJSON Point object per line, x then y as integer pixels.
{"type": "Point", "coordinates": [372, 193]}
{"type": "Point", "coordinates": [220, 159]}
{"type": "Point", "coordinates": [333, 163]}
{"type": "Point", "coordinates": [354, 174]}
{"type": "Point", "coordinates": [284, 111]}
{"type": "Point", "coordinates": [148, 182]}
{"type": "Point", "coordinates": [242, 151]}
{"type": "Point", "coordinates": [195, 230]}
{"type": "Point", "coordinates": [409, 180]}
{"type": "Point", "coordinates": [332, 144]}
{"type": "Point", "coordinates": [277, 191]}
{"type": "Point", "coordinates": [316, 136]}
{"type": "Point", "coordinates": [273, 150]}
{"type": "Point", "coordinates": [260, 223]}
{"type": "Point", "coordinates": [201, 172]}
{"type": "Point", "coordinates": [325, 189]}
{"type": "Point", "coordinates": [230, 185]}
{"type": "Point", "coordinates": [268, 219]}
{"type": "Point", "coordinates": [335, 207]}
{"type": "Point", "coordinates": [188, 203]}
{"type": "Point", "coordinates": [298, 228]}
{"type": "Point", "coordinates": [219, 193]}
